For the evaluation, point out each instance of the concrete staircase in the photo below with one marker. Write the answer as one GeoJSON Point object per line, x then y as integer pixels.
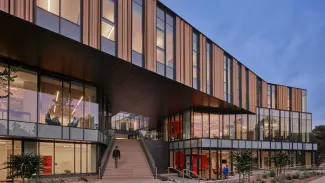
{"type": "Point", "coordinates": [133, 163]}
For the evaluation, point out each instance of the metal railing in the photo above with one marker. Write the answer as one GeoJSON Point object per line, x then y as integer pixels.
{"type": "Point", "coordinates": [105, 157]}
{"type": "Point", "coordinates": [179, 172]}
{"type": "Point", "coordinates": [198, 176]}
{"type": "Point", "coordinates": [150, 159]}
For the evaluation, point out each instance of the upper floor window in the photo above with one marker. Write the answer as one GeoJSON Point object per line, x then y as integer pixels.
{"type": "Point", "coordinates": [289, 99]}
{"type": "Point", "coordinates": [60, 16]}
{"type": "Point", "coordinates": [209, 68]}
{"type": "Point", "coordinates": [227, 78]}
{"type": "Point", "coordinates": [239, 85]}
{"type": "Point", "coordinates": [304, 101]}
{"type": "Point", "coordinates": [108, 27]}
{"type": "Point", "coordinates": [271, 96]}
{"type": "Point", "coordinates": [137, 32]}
{"type": "Point", "coordinates": [165, 44]}
{"type": "Point", "coordinates": [259, 92]}
{"type": "Point", "coordinates": [247, 88]}
{"type": "Point", "coordinates": [196, 70]}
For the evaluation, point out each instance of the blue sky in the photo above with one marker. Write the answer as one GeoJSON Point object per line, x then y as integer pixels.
{"type": "Point", "coordinates": [281, 41]}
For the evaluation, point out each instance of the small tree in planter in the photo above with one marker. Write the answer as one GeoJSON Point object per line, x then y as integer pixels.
{"type": "Point", "coordinates": [24, 166]}
{"type": "Point", "coordinates": [280, 160]}
{"type": "Point", "coordinates": [242, 160]}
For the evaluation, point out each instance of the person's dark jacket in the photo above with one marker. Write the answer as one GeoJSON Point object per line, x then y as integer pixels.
{"type": "Point", "coordinates": [116, 154]}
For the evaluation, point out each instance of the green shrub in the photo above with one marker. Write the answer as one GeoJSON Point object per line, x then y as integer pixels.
{"type": "Point", "coordinates": [272, 173]}
{"type": "Point", "coordinates": [265, 176]}
{"type": "Point", "coordinates": [296, 175]}
{"type": "Point", "coordinates": [84, 179]}
{"type": "Point", "coordinates": [288, 177]}
{"type": "Point", "coordinates": [273, 181]}
{"type": "Point", "coordinates": [258, 178]}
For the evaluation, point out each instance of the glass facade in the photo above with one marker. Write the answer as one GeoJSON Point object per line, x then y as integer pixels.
{"type": "Point", "coordinates": [129, 122]}
{"type": "Point", "coordinates": [38, 105]}
{"type": "Point", "coordinates": [60, 16]}
{"type": "Point", "coordinates": [137, 32]}
{"type": "Point", "coordinates": [108, 44]}
{"type": "Point", "coordinates": [267, 125]}
{"type": "Point", "coordinates": [59, 157]}
{"type": "Point", "coordinates": [165, 43]}
{"type": "Point", "coordinates": [196, 65]}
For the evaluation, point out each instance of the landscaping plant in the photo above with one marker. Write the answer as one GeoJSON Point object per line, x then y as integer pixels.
{"type": "Point", "coordinates": [25, 166]}
{"type": "Point", "coordinates": [242, 160]}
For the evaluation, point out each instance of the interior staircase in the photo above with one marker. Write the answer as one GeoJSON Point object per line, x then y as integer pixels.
{"type": "Point", "coordinates": [133, 163]}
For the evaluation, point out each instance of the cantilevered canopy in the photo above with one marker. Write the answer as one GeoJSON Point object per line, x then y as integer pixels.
{"type": "Point", "coordinates": [129, 88]}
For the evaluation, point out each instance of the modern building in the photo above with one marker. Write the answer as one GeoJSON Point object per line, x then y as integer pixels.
{"type": "Point", "coordinates": [70, 67]}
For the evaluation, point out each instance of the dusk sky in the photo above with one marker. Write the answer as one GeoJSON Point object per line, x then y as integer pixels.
{"type": "Point", "coordinates": [281, 41]}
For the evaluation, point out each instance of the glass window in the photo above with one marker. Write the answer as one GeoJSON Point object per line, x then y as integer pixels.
{"type": "Point", "coordinates": [70, 10]}
{"type": "Point", "coordinates": [137, 32]}
{"type": "Point", "coordinates": [92, 157]}
{"type": "Point", "coordinates": [304, 100]}
{"type": "Point", "coordinates": [214, 126]}
{"type": "Point", "coordinates": [225, 127]}
{"type": "Point", "coordinates": [108, 31]}
{"type": "Point", "coordinates": [108, 27]}
{"type": "Point", "coordinates": [77, 158]}
{"type": "Point", "coordinates": [186, 125]}
{"type": "Point", "coordinates": [252, 128]}
{"type": "Point", "coordinates": [77, 105]}
{"type": "Point", "coordinates": [244, 127]}
{"type": "Point", "coordinates": [205, 163]}
{"type": "Point", "coordinates": [209, 68]}
{"type": "Point", "coordinates": [169, 46]}
{"type": "Point", "coordinates": [160, 39]}
{"type": "Point", "coordinates": [61, 16]}
{"type": "Point", "coordinates": [232, 127]}
{"type": "Point", "coordinates": [49, 5]}
{"type": "Point", "coordinates": [275, 125]}
{"type": "Point", "coordinates": [205, 125]}
{"type": "Point", "coordinates": [91, 108]}
{"type": "Point", "coordinates": [84, 158]}
{"type": "Point", "coordinates": [295, 126]}
{"type": "Point", "coordinates": [50, 101]}
{"type": "Point", "coordinates": [303, 126]}
{"type": "Point", "coordinates": [64, 158]}
{"type": "Point", "coordinates": [160, 69]}
{"type": "Point", "coordinates": [5, 153]}
{"type": "Point", "coordinates": [109, 10]}
{"type": "Point", "coordinates": [195, 61]}
{"type": "Point", "coordinates": [46, 150]}
{"type": "Point", "coordinates": [23, 98]}
{"type": "Point", "coordinates": [197, 125]}
{"type": "Point", "coordinates": [4, 92]}
{"type": "Point", "coordinates": [239, 126]}
{"type": "Point", "coordinates": [265, 117]}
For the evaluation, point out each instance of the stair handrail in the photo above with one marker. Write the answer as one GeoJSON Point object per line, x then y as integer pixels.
{"type": "Point", "coordinates": [105, 157]}
{"type": "Point", "coordinates": [152, 163]}
{"type": "Point", "coordinates": [198, 176]}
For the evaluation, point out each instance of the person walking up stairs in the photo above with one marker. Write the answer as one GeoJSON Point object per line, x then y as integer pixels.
{"type": "Point", "coordinates": [133, 163]}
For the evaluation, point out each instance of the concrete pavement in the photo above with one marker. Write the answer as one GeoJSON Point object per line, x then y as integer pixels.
{"type": "Point", "coordinates": [319, 180]}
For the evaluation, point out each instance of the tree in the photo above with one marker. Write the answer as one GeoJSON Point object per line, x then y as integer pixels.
{"type": "Point", "coordinates": [242, 160]}
{"type": "Point", "coordinates": [24, 166]}
{"type": "Point", "coordinates": [318, 136]}
{"type": "Point", "coordinates": [280, 160]}
{"type": "Point", "coordinates": [6, 77]}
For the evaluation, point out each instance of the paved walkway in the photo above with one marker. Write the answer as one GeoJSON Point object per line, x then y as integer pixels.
{"type": "Point", "coordinates": [319, 180]}
{"type": "Point", "coordinates": [132, 181]}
